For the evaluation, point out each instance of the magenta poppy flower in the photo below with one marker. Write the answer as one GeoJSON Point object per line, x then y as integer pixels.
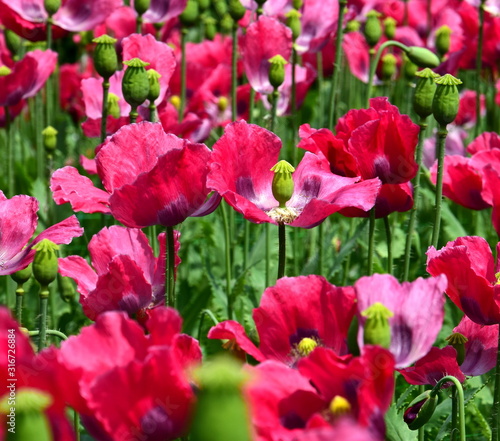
{"type": "Point", "coordinates": [485, 141]}
{"type": "Point", "coordinates": [160, 11]}
{"type": "Point", "coordinates": [412, 334]}
{"type": "Point", "coordinates": [150, 178]}
{"type": "Point", "coordinates": [470, 269]}
{"type": "Point", "coordinates": [18, 222]}
{"type": "Point", "coordinates": [127, 276]}
{"type": "Point", "coordinates": [296, 308]}
{"type": "Point", "coordinates": [240, 170]}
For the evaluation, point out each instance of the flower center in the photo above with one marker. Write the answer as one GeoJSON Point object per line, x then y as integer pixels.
{"type": "Point", "coordinates": [284, 215]}
{"type": "Point", "coordinates": [306, 346]}
{"type": "Point", "coordinates": [339, 406]}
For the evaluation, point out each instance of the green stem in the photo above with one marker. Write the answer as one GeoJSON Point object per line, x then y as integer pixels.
{"type": "Point", "coordinates": [251, 105]}
{"type": "Point", "coordinates": [454, 416]}
{"type": "Point", "coordinates": [48, 85]}
{"type": "Point", "coordinates": [495, 412]}
{"type": "Point", "coordinates": [138, 24]}
{"type": "Point", "coordinates": [104, 117]}
{"type": "Point", "coordinates": [153, 113]}
{"type": "Point", "coordinates": [371, 241]}
{"type": "Point", "coordinates": [170, 262]}
{"type": "Point", "coordinates": [460, 402]}
{"type": "Point", "coordinates": [282, 250]}
{"type": "Point", "coordinates": [49, 332]}
{"type": "Point", "coordinates": [10, 154]}
{"type": "Point", "coordinates": [321, 80]}
{"type": "Point", "coordinates": [441, 140]}
{"type": "Point", "coordinates": [76, 425]}
{"type": "Point", "coordinates": [421, 430]}
{"type": "Point", "coordinates": [202, 316]}
{"type": "Point", "coordinates": [479, 66]}
{"type": "Point", "coordinates": [133, 115]}
{"type": "Point", "coordinates": [234, 72]}
{"type": "Point", "coordinates": [274, 109]}
{"type": "Point", "coordinates": [416, 194]}
{"type": "Point", "coordinates": [44, 300]}
{"type": "Point", "coordinates": [49, 33]}
{"type": "Point", "coordinates": [38, 124]}
{"type": "Point", "coordinates": [338, 62]}
{"type": "Point", "coordinates": [183, 74]}
{"type": "Point", "coordinates": [19, 304]}
{"type": "Point", "coordinates": [246, 244]}
{"type": "Point", "coordinates": [227, 246]}
{"type": "Point", "coordinates": [293, 109]}
{"type": "Point", "coordinates": [388, 236]}
{"type": "Point", "coordinates": [320, 247]}
{"type": "Point", "coordinates": [347, 263]}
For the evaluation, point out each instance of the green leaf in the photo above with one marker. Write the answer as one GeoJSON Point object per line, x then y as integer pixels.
{"type": "Point", "coordinates": [396, 428]}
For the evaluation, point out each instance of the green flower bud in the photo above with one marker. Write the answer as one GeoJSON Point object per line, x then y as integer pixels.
{"type": "Point", "coordinates": [420, 410]}
{"type": "Point", "coordinates": [458, 341]}
{"type": "Point", "coordinates": [377, 330]}
{"type": "Point", "coordinates": [282, 182]}
{"type": "Point", "coordinates": [113, 106]}
{"type": "Point", "coordinates": [141, 6]}
{"type": "Point", "coordinates": [446, 99]}
{"type": "Point", "coordinates": [297, 4]}
{"type": "Point", "coordinates": [424, 92]}
{"type": "Point", "coordinates": [4, 71]}
{"type": "Point", "coordinates": [49, 135]}
{"type": "Point", "coordinates": [45, 264]}
{"type": "Point", "coordinates": [66, 288]}
{"type": "Point", "coordinates": [154, 84]}
{"type": "Point", "coordinates": [277, 70]}
{"type": "Point", "coordinates": [189, 16]}
{"type": "Point", "coordinates": [236, 10]}
{"type": "Point", "coordinates": [293, 22]}
{"type": "Point", "coordinates": [203, 5]}
{"type": "Point", "coordinates": [226, 24]}
{"type": "Point", "coordinates": [105, 58]}
{"type": "Point", "coordinates": [51, 6]}
{"type": "Point", "coordinates": [220, 7]}
{"type": "Point", "coordinates": [443, 40]}
{"type": "Point", "coordinates": [210, 28]}
{"type": "Point", "coordinates": [409, 69]}
{"type": "Point", "coordinates": [22, 276]}
{"type": "Point", "coordinates": [12, 40]}
{"type": "Point", "coordinates": [373, 29]}
{"type": "Point", "coordinates": [353, 26]}
{"type": "Point", "coordinates": [389, 66]}
{"type": "Point", "coordinates": [221, 412]}
{"type": "Point", "coordinates": [390, 28]}
{"type": "Point", "coordinates": [135, 83]}
{"type": "Point", "coordinates": [422, 57]}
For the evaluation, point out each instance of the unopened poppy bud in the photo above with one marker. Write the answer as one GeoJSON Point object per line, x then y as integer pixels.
{"type": "Point", "coordinates": [353, 26]}
{"type": "Point", "coordinates": [443, 40]}
{"type": "Point", "coordinates": [210, 28]}
{"type": "Point", "coordinates": [51, 6]}
{"type": "Point", "coordinates": [189, 16]}
{"type": "Point", "coordinates": [220, 7]}
{"type": "Point", "coordinates": [293, 22]}
{"type": "Point", "coordinates": [424, 92]}
{"type": "Point", "coordinates": [282, 182]}
{"type": "Point", "coordinates": [105, 58]}
{"type": "Point", "coordinates": [113, 106]}
{"type": "Point", "coordinates": [12, 40]}
{"type": "Point", "coordinates": [236, 10]}
{"type": "Point", "coordinates": [373, 29]}
{"type": "Point", "coordinates": [277, 70]}
{"type": "Point", "coordinates": [222, 103]}
{"type": "Point", "coordinates": [422, 57]}
{"type": "Point", "coordinates": [66, 288]}
{"type": "Point", "coordinates": [45, 265]}
{"type": "Point", "coordinates": [221, 410]}
{"type": "Point", "coordinates": [390, 28]}
{"type": "Point", "coordinates": [4, 71]}
{"type": "Point", "coordinates": [446, 99]}
{"type": "Point", "coordinates": [339, 406]}
{"type": "Point", "coordinates": [135, 83]}
{"type": "Point", "coordinates": [226, 24]}
{"type": "Point", "coordinates": [420, 410]}
{"type": "Point", "coordinates": [22, 276]}
{"type": "Point", "coordinates": [297, 4]}
{"type": "Point", "coordinates": [141, 6]}
{"type": "Point", "coordinates": [154, 84]}
{"type": "Point", "coordinates": [377, 330]}
{"type": "Point", "coordinates": [458, 341]}
{"type": "Point", "coordinates": [49, 135]}
{"type": "Point", "coordinates": [389, 66]}
{"type": "Point", "coordinates": [306, 346]}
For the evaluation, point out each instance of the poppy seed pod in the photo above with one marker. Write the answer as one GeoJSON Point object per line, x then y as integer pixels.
{"type": "Point", "coordinates": [210, 28]}
{"type": "Point", "coordinates": [297, 4]}
{"type": "Point", "coordinates": [373, 29]}
{"type": "Point", "coordinates": [390, 28]}
{"type": "Point", "coordinates": [51, 6]}
{"type": "Point", "coordinates": [443, 40]}
{"type": "Point", "coordinates": [113, 106]}
{"type": "Point", "coordinates": [389, 66]}
{"type": "Point", "coordinates": [277, 70]}
{"type": "Point", "coordinates": [458, 341]}
{"type": "Point", "coordinates": [203, 5]}
{"type": "Point", "coordinates": [446, 99]}
{"type": "Point", "coordinates": [135, 83]}
{"type": "Point", "coordinates": [236, 10]}
{"type": "Point", "coordinates": [282, 182]}
{"type": "Point", "coordinates": [22, 276]}
{"type": "Point", "coordinates": [424, 92]}
{"type": "Point", "coordinates": [141, 6]}
{"type": "Point", "coordinates": [154, 84]}
{"type": "Point", "coordinates": [45, 264]}
{"type": "Point", "coordinates": [189, 16]}
{"type": "Point", "coordinates": [49, 135]}
{"type": "Point", "coordinates": [377, 330]}
{"type": "Point", "coordinates": [293, 22]}
{"type": "Point", "coordinates": [105, 58]}
{"type": "Point", "coordinates": [420, 410]}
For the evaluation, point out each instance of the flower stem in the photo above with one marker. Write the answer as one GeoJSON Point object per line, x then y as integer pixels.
{"type": "Point", "coordinates": [133, 115]}
{"type": "Point", "coordinates": [104, 117]}
{"type": "Point", "coordinates": [267, 239]}
{"type": "Point", "coordinates": [183, 74]}
{"type": "Point", "coordinates": [282, 250]}
{"type": "Point", "coordinates": [49, 332]}
{"type": "Point", "coordinates": [320, 247]}
{"type": "Point", "coordinates": [479, 66]}
{"type": "Point", "coordinates": [10, 153]}
{"type": "Point", "coordinates": [48, 85]}
{"type": "Point", "coordinates": [19, 304]}
{"type": "Point", "coordinates": [416, 194]}
{"type": "Point", "coordinates": [321, 80]}
{"type": "Point", "coordinates": [274, 109]}
{"type": "Point", "coordinates": [44, 300]}
{"type": "Point", "coordinates": [371, 241]}
{"type": "Point", "coordinates": [459, 404]}
{"type": "Point", "coordinates": [293, 115]}
{"type": "Point", "coordinates": [227, 246]}
{"type": "Point", "coordinates": [495, 413]}
{"type": "Point", "coordinates": [234, 72]}
{"type": "Point", "coordinates": [388, 236]}
{"type": "Point", "coordinates": [442, 133]}
{"type": "Point", "coordinates": [170, 262]}
{"type": "Point", "coordinates": [40, 151]}
{"type": "Point", "coordinates": [138, 24]}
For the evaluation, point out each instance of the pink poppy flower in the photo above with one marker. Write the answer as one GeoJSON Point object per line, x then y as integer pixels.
{"type": "Point", "coordinates": [160, 11]}
{"type": "Point", "coordinates": [296, 308]}
{"type": "Point", "coordinates": [485, 141]}
{"type": "Point", "coordinates": [18, 222]}
{"type": "Point", "coordinates": [150, 178]}
{"type": "Point", "coordinates": [70, 94]}
{"type": "Point", "coordinates": [412, 334]}
{"type": "Point", "coordinates": [240, 170]}
{"type": "Point", "coordinates": [127, 276]}
{"type": "Point", "coordinates": [470, 269]}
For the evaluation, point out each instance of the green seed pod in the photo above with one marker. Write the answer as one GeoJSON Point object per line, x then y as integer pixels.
{"type": "Point", "coordinates": [203, 5]}
{"type": "Point", "coordinates": [49, 135]}
{"type": "Point", "coordinates": [389, 66]}
{"type": "Point", "coordinates": [220, 8]}
{"type": "Point", "coordinates": [446, 99]}
{"type": "Point", "coordinates": [51, 6]}
{"type": "Point", "coordinates": [409, 69]}
{"type": "Point", "coordinates": [458, 341]}
{"type": "Point", "coordinates": [277, 70]}
{"type": "Point", "coordinates": [22, 276]}
{"type": "Point", "coordinates": [422, 57]}
{"type": "Point", "coordinates": [189, 16]}
{"type": "Point", "coordinates": [105, 58]}
{"type": "Point", "coordinates": [141, 6]}
{"type": "Point", "coordinates": [377, 330]}
{"type": "Point", "coordinates": [297, 4]}
{"type": "Point", "coordinates": [13, 41]}
{"type": "Point", "coordinates": [226, 24]}
{"type": "Point", "coordinates": [443, 40]}
{"type": "Point", "coordinates": [221, 412]}
{"type": "Point", "coordinates": [424, 92]}
{"type": "Point", "coordinates": [353, 26]}
{"type": "Point", "coordinates": [45, 264]}
{"type": "Point", "coordinates": [293, 22]}
{"type": "Point", "coordinates": [66, 288]}
{"type": "Point", "coordinates": [113, 106]}
{"type": "Point", "coordinates": [236, 10]}
{"type": "Point", "coordinates": [390, 28]}
{"type": "Point", "coordinates": [210, 28]}
{"type": "Point", "coordinates": [420, 410]}
{"type": "Point", "coordinates": [154, 84]}
{"type": "Point", "coordinates": [135, 83]}
{"type": "Point", "coordinates": [282, 182]}
{"type": "Point", "coordinates": [373, 29]}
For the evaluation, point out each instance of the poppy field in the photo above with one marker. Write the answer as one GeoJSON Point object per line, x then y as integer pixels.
{"type": "Point", "coordinates": [249, 220]}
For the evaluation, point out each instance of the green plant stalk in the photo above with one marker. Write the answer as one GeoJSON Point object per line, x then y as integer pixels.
{"type": "Point", "coordinates": [416, 201]}
{"type": "Point", "coordinates": [38, 124]}
{"type": "Point", "coordinates": [251, 105]}
{"type": "Point", "coordinates": [138, 24]}
{"type": "Point", "coordinates": [153, 112]}
{"type": "Point", "coordinates": [246, 244]}
{"type": "Point", "coordinates": [479, 66]}
{"type": "Point", "coordinates": [10, 153]}
{"type": "Point", "coordinates": [421, 430]}
{"type": "Point", "coordinates": [234, 72]}
{"type": "Point", "coordinates": [170, 268]}
{"type": "Point", "coordinates": [49, 85]}
{"type": "Point", "coordinates": [49, 332]}
{"type": "Point", "coordinates": [321, 253]}
{"type": "Point", "coordinates": [202, 317]}
{"type": "Point", "coordinates": [19, 304]}
{"type": "Point", "coordinates": [183, 74]}
{"type": "Point", "coordinates": [454, 416]}
{"type": "Point", "coordinates": [274, 109]}
{"type": "Point", "coordinates": [338, 62]}
{"type": "Point", "coordinates": [495, 412]}
{"type": "Point", "coordinates": [321, 81]}
{"type": "Point", "coordinates": [281, 250]}
{"type": "Point", "coordinates": [76, 425]}
{"type": "Point", "coordinates": [347, 263]}
{"type": "Point", "coordinates": [133, 115]}
{"type": "Point", "coordinates": [293, 103]}
{"type": "Point", "coordinates": [44, 300]}
{"type": "Point", "coordinates": [371, 241]}
{"type": "Point", "coordinates": [227, 249]}
{"type": "Point", "coordinates": [388, 236]}
{"type": "Point", "coordinates": [104, 118]}
{"type": "Point", "coordinates": [267, 239]}
{"type": "Point", "coordinates": [460, 402]}
{"type": "Point", "coordinates": [441, 140]}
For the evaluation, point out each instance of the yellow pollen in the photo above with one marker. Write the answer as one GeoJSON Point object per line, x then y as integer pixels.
{"type": "Point", "coordinates": [222, 104]}
{"type": "Point", "coordinates": [4, 71]}
{"type": "Point", "coordinates": [306, 346]}
{"type": "Point", "coordinates": [339, 406]}
{"type": "Point", "coordinates": [497, 275]}
{"type": "Point", "coordinates": [176, 101]}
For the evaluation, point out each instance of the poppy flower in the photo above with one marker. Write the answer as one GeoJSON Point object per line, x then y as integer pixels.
{"type": "Point", "coordinates": [294, 316]}
{"type": "Point", "coordinates": [150, 178]}
{"type": "Point", "coordinates": [18, 222]}
{"type": "Point", "coordinates": [470, 269]}
{"type": "Point", "coordinates": [240, 170]}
